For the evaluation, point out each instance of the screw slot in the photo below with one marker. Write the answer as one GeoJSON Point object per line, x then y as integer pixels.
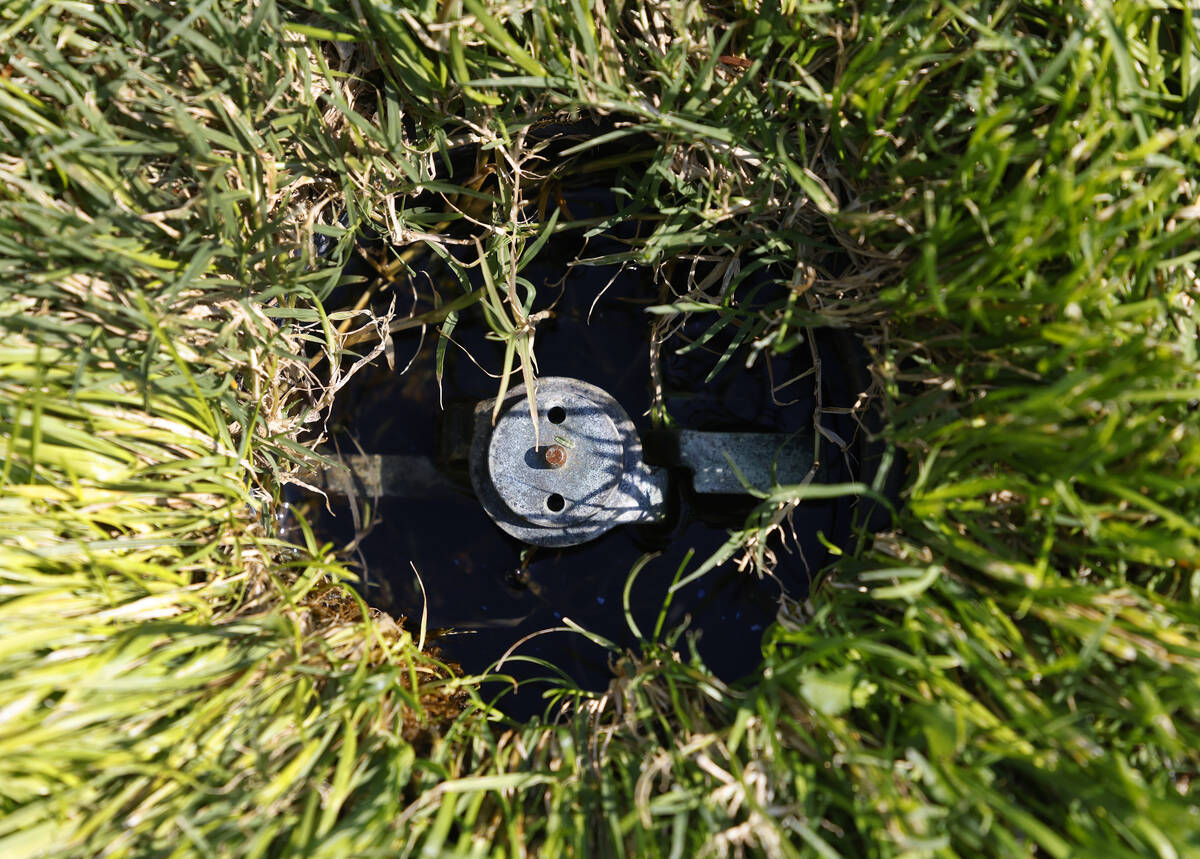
{"type": "Point", "coordinates": [556, 415]}
{"type": "Point", "coordinates": [555, 503]}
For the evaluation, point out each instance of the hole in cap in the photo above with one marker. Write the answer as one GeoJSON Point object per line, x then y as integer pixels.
{"type": "Point", "coordinates": [556, 415]}
{"type": "Point", "coordinates": [555, 503]}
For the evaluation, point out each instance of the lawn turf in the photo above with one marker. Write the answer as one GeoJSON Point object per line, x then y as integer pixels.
{"type": "Point", "coordinates": [1003, 198]}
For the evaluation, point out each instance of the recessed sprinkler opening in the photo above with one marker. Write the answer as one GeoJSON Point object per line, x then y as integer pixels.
{"type": "Point", "coordinates": [435, 518]}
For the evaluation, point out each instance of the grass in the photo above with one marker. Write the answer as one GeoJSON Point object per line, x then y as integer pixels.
{"type": "Point", "coordinates": [1004, 199]}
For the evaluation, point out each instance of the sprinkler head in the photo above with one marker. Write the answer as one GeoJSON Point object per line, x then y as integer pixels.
{"type": "Point", "coordinates": [527, 490]}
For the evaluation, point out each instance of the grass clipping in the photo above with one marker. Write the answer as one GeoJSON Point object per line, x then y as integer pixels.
{"type": "Point", "coordinates": [1013, 670]}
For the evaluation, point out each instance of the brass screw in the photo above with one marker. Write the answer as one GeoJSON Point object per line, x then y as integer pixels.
{"type": "Point", "coordinates": [556, 455]}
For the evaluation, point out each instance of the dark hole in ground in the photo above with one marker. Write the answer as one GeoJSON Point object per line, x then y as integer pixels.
{"type": "Point", "coordinates": [488, 591]}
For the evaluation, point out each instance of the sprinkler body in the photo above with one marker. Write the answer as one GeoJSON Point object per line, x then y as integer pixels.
{"type": "Point", "coordinates": [583, 471]}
